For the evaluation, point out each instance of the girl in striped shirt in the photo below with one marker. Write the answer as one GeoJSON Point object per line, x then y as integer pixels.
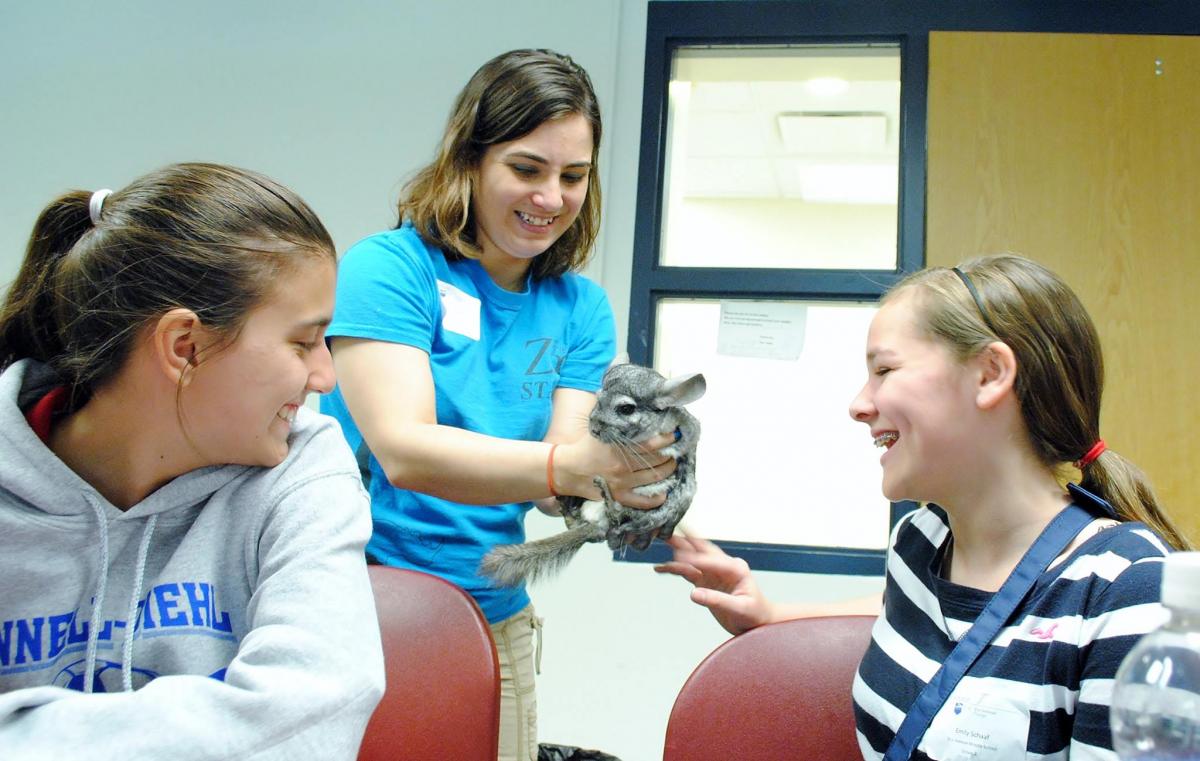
{"type": "Point", "coordinates": [983, 388]}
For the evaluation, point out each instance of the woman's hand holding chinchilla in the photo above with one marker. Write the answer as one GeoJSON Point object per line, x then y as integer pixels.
{"type": "Point", "coordinates": [577, 464]}
{"type": "Point", "coordinates": [723, 583]}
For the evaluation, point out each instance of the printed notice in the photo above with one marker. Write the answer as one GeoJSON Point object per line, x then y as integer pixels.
{"type": "Point", "coordinates": [765, 329]}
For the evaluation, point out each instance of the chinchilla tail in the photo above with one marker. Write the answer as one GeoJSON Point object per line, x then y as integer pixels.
{"type": "Point", "coordinates": [507, 565]}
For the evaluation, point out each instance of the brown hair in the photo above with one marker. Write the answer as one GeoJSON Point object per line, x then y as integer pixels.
{"type": "Point", "coordinates": [1061, 371]}
{"type": "Point", "coordinates": [203, 237]}
{"type": "Point", "coordinates": [507, 98]}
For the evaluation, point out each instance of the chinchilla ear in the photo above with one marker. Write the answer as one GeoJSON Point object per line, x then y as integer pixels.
{"type": "Point", "coordinates": [677, 392]}
{"type": "Point", "coordinates": [620, 359]}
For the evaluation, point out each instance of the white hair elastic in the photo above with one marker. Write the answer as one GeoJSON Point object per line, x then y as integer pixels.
{"type": "Point", "coordinates": [96, 204]}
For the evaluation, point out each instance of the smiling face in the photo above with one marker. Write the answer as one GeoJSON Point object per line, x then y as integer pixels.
{"type": "Point", "coordinates": [919, 403]}
{"type": "Point", "coordinates": [239, 403]}
{"type": "Point", "coordinates": [528, 192]}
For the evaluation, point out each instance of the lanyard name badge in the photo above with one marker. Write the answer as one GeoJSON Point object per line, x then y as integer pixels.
{"type": "Point", "coordinates": [1049, 545]}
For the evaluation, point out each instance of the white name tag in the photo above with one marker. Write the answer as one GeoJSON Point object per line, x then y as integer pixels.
{"type": "Point", "coordinates": [460, 311]}
{"type": "Point", "coordinates": [977, 726]}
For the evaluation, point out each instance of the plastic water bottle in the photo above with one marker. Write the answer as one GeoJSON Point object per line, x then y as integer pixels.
{"type": "Point", "coordinates": [1156, 696]}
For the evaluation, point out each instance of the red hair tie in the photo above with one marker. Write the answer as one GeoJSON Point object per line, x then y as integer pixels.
{"type": "Point", "coordinates": [1091, 454]}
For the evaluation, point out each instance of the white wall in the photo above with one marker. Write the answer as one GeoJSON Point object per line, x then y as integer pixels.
{"type": "Point", "coordinates": [341, 101]}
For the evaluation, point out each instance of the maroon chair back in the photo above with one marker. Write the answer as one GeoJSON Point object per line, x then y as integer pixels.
{"type": "Point", "coordinates": [443, 678]}
{"type": "Point", "coordinates": [781, 691]}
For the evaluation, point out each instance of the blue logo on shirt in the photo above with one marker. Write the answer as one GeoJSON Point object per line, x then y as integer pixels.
{"type": "Point", "coordinates": [548, 359]}
{"type": "Point", "coordinates": [72, 676]}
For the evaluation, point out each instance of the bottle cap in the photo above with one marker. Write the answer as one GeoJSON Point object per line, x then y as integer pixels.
{"type": "Point", "coordinates": [1181, 580]}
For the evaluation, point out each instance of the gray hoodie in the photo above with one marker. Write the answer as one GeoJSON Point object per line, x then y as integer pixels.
{"type": "Point", "coordinates": [255, 634]}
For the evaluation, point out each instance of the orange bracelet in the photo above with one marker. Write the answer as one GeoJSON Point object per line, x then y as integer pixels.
{"type": "Point", "coordinates": [550, 470]}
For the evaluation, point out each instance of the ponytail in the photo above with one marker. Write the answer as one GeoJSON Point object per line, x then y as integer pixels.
{"type": "Point", "coordinates": [28, 324]}
{"type": "Point", "coordinates": [1127, 489]}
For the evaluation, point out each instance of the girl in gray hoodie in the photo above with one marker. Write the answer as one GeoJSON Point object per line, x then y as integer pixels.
{"type": "Point", "coordinates": [181, 539]}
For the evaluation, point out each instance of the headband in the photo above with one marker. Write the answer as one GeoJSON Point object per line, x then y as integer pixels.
{"type": "Point", "coordinates": [96, 204]}
{"type": "Point", "coordinates": [983, 312]}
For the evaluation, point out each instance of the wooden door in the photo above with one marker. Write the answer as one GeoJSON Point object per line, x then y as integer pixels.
{"type": "Point", "coordinates": [1083, 152]}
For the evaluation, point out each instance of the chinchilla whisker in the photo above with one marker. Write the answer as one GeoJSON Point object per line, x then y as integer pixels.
{"type": "Point", "coordinates": [629, 447]}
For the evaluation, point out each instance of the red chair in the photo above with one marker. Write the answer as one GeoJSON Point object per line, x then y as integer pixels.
{"type": "Point", "coordinates": [443, 678]}
{"type": "Point", "coordinates": [780, 691]}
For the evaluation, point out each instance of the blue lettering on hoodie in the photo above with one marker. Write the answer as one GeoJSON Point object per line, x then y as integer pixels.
{"type": "Point", "coordinates": [199, 601]}
{"type": "Point", "coordinates": [29, 639]}
{"type": "Point", "coordinates": [167, 597]}
{"type": "Point", "coordinates": [5, 642]}
{"type": "Point", "coordinates": [178, 608]}
{"type": "Point", "coordinates": [60, 625]}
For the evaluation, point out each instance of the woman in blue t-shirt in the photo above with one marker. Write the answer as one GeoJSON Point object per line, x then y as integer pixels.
{"type": "Point", "coordinates": [469, 352]}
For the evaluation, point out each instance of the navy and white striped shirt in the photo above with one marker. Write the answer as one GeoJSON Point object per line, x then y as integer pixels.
{"type": "Point", "coordinates": [1041, 689]}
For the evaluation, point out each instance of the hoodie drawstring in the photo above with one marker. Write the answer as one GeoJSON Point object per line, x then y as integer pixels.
{"type": "Point", "coordinates": [98, 601]}
{"type": "Point", "coordinates": [131, 618]}
{"type": "Point", "coordinates": [98, 598]}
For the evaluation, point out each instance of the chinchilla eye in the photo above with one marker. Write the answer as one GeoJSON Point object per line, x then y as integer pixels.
{"type": "Point", "coordinates": [626, 409]}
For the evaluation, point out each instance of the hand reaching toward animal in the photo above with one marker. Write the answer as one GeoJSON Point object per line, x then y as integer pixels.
{"type": "Point", "coordinates": [725, 586]}
{"type": "Point", "coordinates": [723, 583]}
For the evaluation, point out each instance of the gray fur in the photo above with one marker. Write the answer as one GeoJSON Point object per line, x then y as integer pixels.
{"type": "Point", "coordinates": [633, 404]}
{"type": "Point", "coordinates": [510, 564]}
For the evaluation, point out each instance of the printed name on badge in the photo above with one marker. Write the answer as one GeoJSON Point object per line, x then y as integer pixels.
{"type": "Point", "coordinates": [974, 725]}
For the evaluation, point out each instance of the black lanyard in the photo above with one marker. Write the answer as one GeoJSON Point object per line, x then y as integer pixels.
{"type": "Point", "coordinates": [1050, 544]}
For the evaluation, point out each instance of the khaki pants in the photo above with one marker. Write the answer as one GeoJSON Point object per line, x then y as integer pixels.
{"type": "Point", "coordinates": [514, 638]}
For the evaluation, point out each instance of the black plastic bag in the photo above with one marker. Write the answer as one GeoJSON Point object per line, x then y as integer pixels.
{"type": "Point", "coordinates": [571, 753]}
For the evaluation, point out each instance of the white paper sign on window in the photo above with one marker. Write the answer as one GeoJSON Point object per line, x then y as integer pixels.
{"type": "Point", "coordinates": [763, 329]}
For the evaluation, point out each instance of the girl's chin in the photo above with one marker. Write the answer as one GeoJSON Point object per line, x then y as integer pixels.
{"type": "Point", "coordinates": [525, 250]}
{"type": "Point", "coordinates": [894, 492]}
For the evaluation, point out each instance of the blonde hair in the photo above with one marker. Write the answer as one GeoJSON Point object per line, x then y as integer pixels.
{"type": "Point", "coordinates": [507, 98]}
{"type": "Point", "coordinates": [1060, 374]}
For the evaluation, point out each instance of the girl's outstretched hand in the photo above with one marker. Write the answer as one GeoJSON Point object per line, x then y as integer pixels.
{"type": "Point", "coordinates": [723, 583]}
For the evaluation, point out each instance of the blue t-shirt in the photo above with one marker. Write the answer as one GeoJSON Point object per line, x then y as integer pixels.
{"type": "Point", "coordinates": [496, 358]}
